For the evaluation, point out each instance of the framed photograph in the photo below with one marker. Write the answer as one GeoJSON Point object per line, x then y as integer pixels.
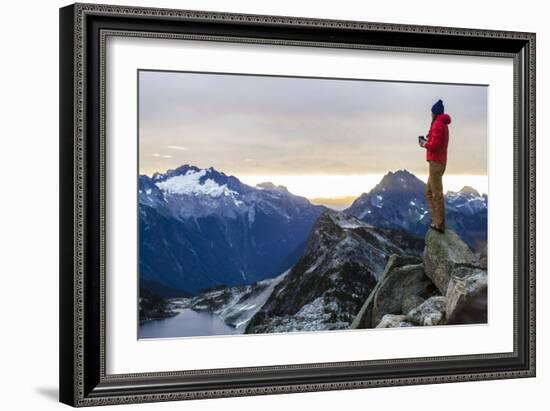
{"type": "Point", "coordinates": [263, 204]}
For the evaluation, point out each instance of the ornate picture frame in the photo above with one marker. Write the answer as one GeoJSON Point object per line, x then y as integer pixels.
{"type": "Point", "coordinates": [84, 30]}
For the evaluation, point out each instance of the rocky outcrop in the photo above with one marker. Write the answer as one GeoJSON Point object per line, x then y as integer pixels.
{"type": "Point", "coordinates": [483, 257]}
{"type": "Point", "coordinates": [467, 297]}
{"type": "Point", "coordinates": [430, 312]}
{"type": "Point", "coordinates": [402, 286]}
{"type": "Point", "coordinates": [443, 253]}
{"type": "Point", "coordinates": [343, 262]}
{"type": "Point", "coordinates": [447, 286]}
{"type": "Point", "coordinates": [394, 321]}
{"type": "Point", "coordinates": [402, 283]}
{"type": "Point", "coordinates": [364, 317]}
{"type": "Point", "coordinates": [410, 302]}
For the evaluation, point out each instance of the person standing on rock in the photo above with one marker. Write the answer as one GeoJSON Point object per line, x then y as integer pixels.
{"type": "Point", "coordinates": [436, 154]}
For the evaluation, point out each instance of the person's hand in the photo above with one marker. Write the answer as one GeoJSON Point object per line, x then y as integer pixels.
{"type": "Point", "coordinates": [422, 143]}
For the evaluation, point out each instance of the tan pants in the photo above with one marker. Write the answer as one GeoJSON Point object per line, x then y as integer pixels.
{"type": "Point", "coordinates": [434, 194]}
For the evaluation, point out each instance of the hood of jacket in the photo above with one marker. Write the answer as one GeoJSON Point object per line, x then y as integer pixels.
{"type": "Point", "coordinates": [444, 118]}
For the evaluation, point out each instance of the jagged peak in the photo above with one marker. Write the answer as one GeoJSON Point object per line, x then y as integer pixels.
{"type": "Point", "coordinates": [399, 178]}
{"type": "Point", "coordinates": [186, 169]}
{"type": "Point", "coordinates": [270, 186]}
{"type": "Point", "coordinates": [399, 173]}
{"type": "Point", "coordinates": [469, 190]}
{"type": "Point", "coordinates": [466, 191]}
{"type": "Point", "coordinates": [192, 180]}
{"type": "Point", "coordinates": [181, 170]}
{"type": "Point", "coordinates": [403, 172]}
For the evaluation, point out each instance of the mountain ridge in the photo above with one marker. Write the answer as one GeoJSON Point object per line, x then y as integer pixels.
{"type": "Point", "coordinates": [398, 201]}
{"type": "Point", "coordinates": [201, 228]}
{"type": "Point", "coordinates": [341, 263]}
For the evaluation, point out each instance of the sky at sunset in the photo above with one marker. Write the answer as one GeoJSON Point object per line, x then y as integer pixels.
{"type": "Point", "coordinates": [322, 138]}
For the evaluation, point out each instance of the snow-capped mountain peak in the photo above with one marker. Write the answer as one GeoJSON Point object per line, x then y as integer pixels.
{"type": "Point", "coordinates": [210, 173]}
{"type": "Point", "coordinates": [468, 201]}
{"type": "Point", "coordinates": [398, 201]}
{"type": "Point", "coordinates": [199, 225]}
{"type": "Point", "coordinates": [194, 183]}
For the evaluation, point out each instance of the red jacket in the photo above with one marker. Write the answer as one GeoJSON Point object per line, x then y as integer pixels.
{"type": "Point", "coordinates": [438, 139]}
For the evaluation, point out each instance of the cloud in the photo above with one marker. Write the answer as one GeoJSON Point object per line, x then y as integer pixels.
{"type": "Point", "coordinates": [177, 147]}
{"type": "Point", "coordinates": [157, 155]}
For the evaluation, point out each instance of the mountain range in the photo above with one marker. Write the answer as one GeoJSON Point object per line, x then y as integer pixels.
{"type": "Point", "coordinates": [341, 264]}
{"type": "Point", "coordinates": [200, 228]}
{"type": "Point", "coordinates": [398, 202]}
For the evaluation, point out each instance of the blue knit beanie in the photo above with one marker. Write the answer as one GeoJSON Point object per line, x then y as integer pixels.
{"type": "Point", "coordinates": [438, 108]}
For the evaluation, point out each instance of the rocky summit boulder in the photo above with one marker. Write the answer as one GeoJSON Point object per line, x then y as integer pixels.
{"type": "Point", "coordinates": [430, 312]}
{"type": "Point", "coordinates": [397, 286]}
{"type": "Point", "coordinates": [394, 321]}
{"type": "Point", "coordinates": [443, 254]}
{"type": "Point", "coordinates": [364, 318]}
{"type": "Point", "coordinates": [467, 296]}
{"type": "Point", "coordinates": [447, 286]}
{"type": "Point", "coordinates": [410, 302]}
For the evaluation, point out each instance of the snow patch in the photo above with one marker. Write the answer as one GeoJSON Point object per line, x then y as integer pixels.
{"type": "Point", "coordinates": [189, 184]}
{"type": "Point", "coordinates": [377, 201]}
{"type": "Point", "coordinates": [351, 224]}
{"type": "Point", "coordinates": [347, 222]}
